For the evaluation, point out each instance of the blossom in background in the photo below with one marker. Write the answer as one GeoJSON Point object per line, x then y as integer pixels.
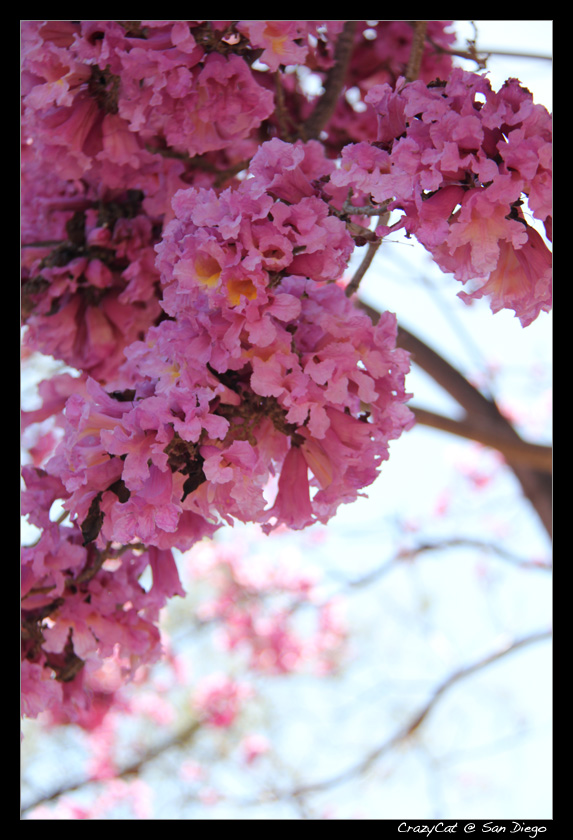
{"type": "Point", "coordinates": [253, 746]}
{"type": "Point", "coordinates": [255, 606]}
{"type": "Point", "coordinates": [218, 699]}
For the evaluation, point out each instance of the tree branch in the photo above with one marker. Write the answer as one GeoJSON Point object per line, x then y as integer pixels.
{"type": "Point", "coordinates": [280, 110]}
{"type": "Point", "coordinates": [363, 267]}
{"type": "Point", "coordinates": [517, 54]}
{"type": "Point", "coordinates": [481, 56]}
{"type": "Point", "coordinates": [333, 85]}
{"type": "Point", "coordinates": [409, 554]}
{"type": "Point", "coordinates": [418, 41]}
{"type": "Point", "coordinates": [416, 721]}
{"type": "Point", "coordinates": [519, 452]}
{"type": "Point", "coordinates": [482, 414]}
{"type": "Point", "coordinates": [132, 769]}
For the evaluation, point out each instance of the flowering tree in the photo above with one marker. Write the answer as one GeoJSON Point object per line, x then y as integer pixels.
{"type": "Point", "coordinates": [189, 213]}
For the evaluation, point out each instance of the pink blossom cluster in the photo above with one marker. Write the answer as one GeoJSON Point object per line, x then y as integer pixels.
{"type": "Point", "coordinates": [264, 368]}
{"type": "Point", "coordinates": [233, 360]}
{"type": "Point", "coordinates": [381, 53]}
{"type": "Point", "coordinates": [93, 289]}
{"type": "Point", "coordinates": [83, 608]}
{"type": "Point", "coordinates": [460, 160]}
{"type": "Point", "coordinates": [189, 264]}
{"type": "Point", "coordinates": [256, 372]}
{"type": "Point", "coordinates": [256, 605]}
{"type": "Point", "coordinates": [101, 97]}
{"type": "Point", "coordinates": [106, 101]}
{"type": "Point", "coordinates": [218, 699]}
{"type": "Point", "coordinates": [115, 117]}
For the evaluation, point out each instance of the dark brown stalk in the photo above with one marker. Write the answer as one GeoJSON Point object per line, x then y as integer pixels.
{"type": "Point", "coordinates": [415, 61]}
{"type": "Point", "coordinates": [333, 85]}
{"type": "Point", "coordinates": [483, 415]}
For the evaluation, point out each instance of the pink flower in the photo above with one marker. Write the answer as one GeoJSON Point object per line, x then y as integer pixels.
{"type": "Point", "coordinates": [521, 280]}
{"type": "Point", "coordinates": [218, 700]}
{"type": "Point", "coordinates": [292, 505]}
{"type": "Point", "coordinates": [225, 103]}
{"type": "Point", "coordinates": [287, 170]}
{"type": "Point", "coordinates": [476, 232]}
{"type": "Point", "coordinates": [281, 40]}
{"type": "Point", "coordinates": [166, 582]}
{"type": "Point", "coordinates": [459, 160]}
{"type": "Point", "coordinates": [253, 746]}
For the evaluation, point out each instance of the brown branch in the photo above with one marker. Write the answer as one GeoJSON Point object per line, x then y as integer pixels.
{"type": "Point", "coordinates": [132, 769]}
{"type": "Point", "coordinates": [416, 721]}
{"type": "Point", "coordinates": [417, 51]}
{"type": "Point", "coordinates": [408, 554]}
{"type": "Point", "coordinates": [470, 54]}
{"type": "Point", "coordinates": [349, 209]}
{"type": "Point", "coordinates": [280, 110]}
{"type": "Point", "coordinates": [363, 267]}
{"type": "Point", "coordinates": [482, 413]}
{"type": "Point", "coordinates": [519, 452]}
{"type": "Point", "coordinates": [333, 85]}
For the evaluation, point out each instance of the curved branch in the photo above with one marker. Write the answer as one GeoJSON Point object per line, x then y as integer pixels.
{"type": "Point", "coordinates": [415, 722]}
{"type": "Point", "coordinates": [410, 554]}
{"type": "Point", "coordinates": [132, 769]}
{"type": "Point", "coordinates": [482, 414]}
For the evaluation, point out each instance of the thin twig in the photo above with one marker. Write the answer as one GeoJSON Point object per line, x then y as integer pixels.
{"type": "Point", "coordinates": [518, 54]}
{"type": "Point", "coordinates": [410, 554]}
{"type": "Point", "coordinates": [363, 267]}
{"type": "Point", "coordinates": [481, 56]}
{"type": "Point", "coordinates": [470, 54]}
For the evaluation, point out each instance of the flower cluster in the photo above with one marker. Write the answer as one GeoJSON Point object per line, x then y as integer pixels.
{"type": "Point", "coordinates": [459, 160]}
{"type": "Point", "coordinates": [381, 53]}
{"type": "Point", "coordinates": [111, 93]}
{"type": "Point", "coordinates": [188, 262]}
{"type": "Point", "coordinates": [218, 699]}
{"type": "Point", "coordinates": [89, 285]}
{"type": "Point", "coordinates": [257, 604]}
{"type": "Point", "coordinates": [264, 368]}
{"type": "Point", "coordinates": [82, 608]}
